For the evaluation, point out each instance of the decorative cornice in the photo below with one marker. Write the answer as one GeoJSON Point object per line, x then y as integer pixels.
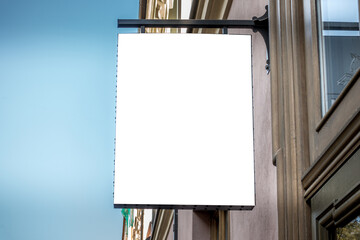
{"type": "Point", "coordinates": [334, 156]}
{"type": "Point", "coordinates": [342, 210]}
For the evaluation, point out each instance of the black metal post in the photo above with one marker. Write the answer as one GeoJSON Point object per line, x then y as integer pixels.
{"type": "Point", "coordinates": [175, 226]}
{"type": "Point", "coordinates": [225, 30]}
{"type": "Point", "coordinates": [189, 23]}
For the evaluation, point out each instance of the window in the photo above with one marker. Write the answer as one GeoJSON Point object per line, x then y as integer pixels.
{"type": "Point", "coordinates": [339, 44]}
{"type": "Point", "coordinates": [350, 231]}
{"type": "Point", "coordinates": [336, 206]}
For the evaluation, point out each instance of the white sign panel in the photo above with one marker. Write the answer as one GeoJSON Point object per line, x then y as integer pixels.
{"type": "Point", "coordinates": [184, 126]}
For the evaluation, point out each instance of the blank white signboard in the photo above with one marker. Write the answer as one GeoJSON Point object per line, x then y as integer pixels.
{"type": "Point", "coordinates": [184, 123]}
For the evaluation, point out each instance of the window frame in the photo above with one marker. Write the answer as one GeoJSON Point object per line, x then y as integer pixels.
{"type": "Point", "coordinates": [333, 136]}
{"type": "Point", "coordinates": [331, 208]}
{"type": "Point", "coordinates": [325, 109]}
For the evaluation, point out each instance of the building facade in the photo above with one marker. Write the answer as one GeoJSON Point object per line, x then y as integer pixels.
{"type": "Point", "coordinates": [306, 122]}
{"type": "Point", "coordinates": [315, 116]}
{"type": "Point", "coordinates": [227, 224]}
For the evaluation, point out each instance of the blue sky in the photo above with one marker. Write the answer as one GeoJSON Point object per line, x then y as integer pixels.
{"type": "Point", "coordinates": [57, 110]}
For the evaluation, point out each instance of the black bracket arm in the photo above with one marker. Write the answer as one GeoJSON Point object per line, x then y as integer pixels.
{"type": "Point", "coordinates": [260, 25]}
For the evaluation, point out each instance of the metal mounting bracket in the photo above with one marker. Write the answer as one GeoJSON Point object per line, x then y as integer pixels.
{"type": "Point", "coordinates": [262, 26]}
{"type": "Point", "coordinates": [257, 24]}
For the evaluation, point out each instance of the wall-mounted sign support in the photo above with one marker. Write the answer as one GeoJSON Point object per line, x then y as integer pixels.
{"type": "Point", "coordinates": [175, 226]}
{"type": "Point", "coordinates": [183, 113]}
{"type": "Point", "coordinates": [257, 24]}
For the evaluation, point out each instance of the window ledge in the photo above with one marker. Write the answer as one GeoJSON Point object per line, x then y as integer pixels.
{"type": "Point", "coordinates": [338, 101]}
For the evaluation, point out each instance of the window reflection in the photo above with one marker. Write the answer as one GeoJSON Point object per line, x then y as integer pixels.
{"type": "Point", "coordinates": [339, 46]}
{"type": "Point", "coordinates": [351, 231]}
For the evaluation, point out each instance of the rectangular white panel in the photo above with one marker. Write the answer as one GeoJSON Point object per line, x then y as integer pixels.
{"type": "Point", "coordinates": [184, 126]}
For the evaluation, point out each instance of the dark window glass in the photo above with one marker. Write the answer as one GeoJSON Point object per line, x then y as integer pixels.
{"type": "Point", "coordinates": [350, 231]}
{"type": "Point", "coordinates": [339, 38]}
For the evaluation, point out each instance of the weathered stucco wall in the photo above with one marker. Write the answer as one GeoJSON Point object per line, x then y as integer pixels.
{"type": "Point", "coordinates": [260, 223]}
{"type": "Point", "coordinates": [185, 224]}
